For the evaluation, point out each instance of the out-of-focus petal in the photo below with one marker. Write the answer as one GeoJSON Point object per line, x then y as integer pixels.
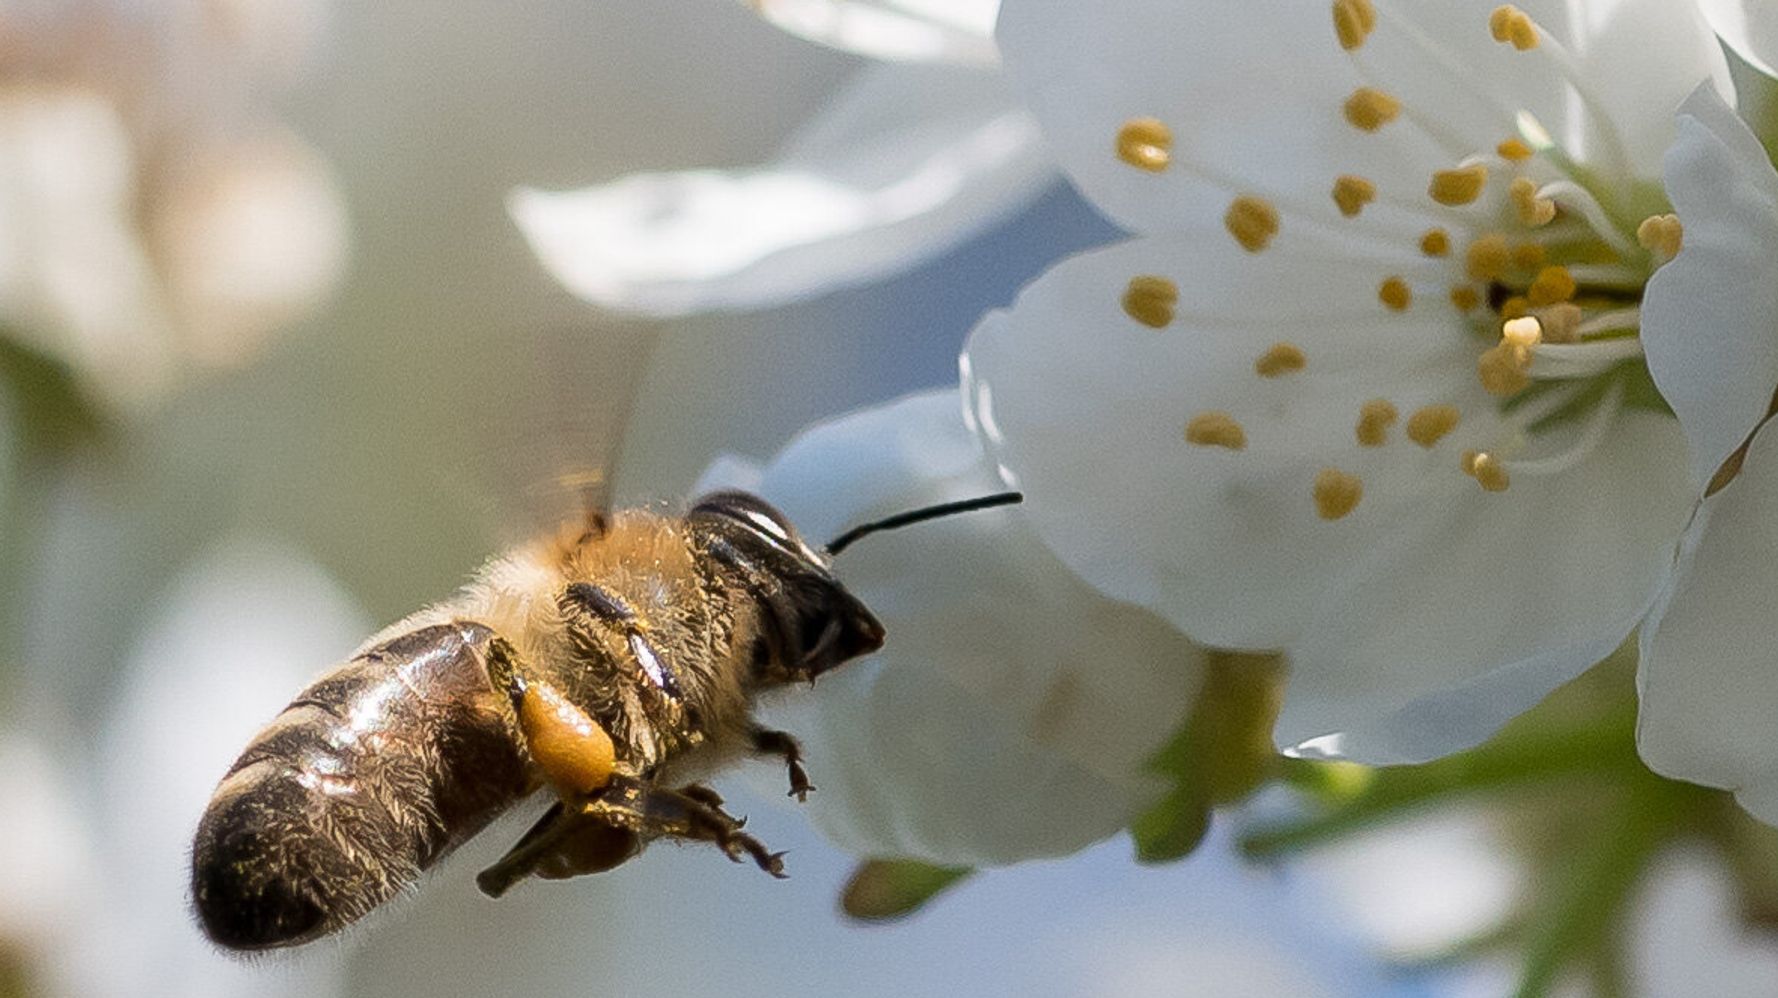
{"type": "Point", "coordinates": [957, 31]}
{"type": "Point", "coordinates": [1709, 671]}
{"type": "Point", "coordinates": [907, 162]}
{"type": "Point", "coordinates": [1012, 709]}
{"type": "Point", "coordinates": [252, 236]}
{"type": "Point", "coordinates": [243, 630]}
{"type": "Point", "coordinates": [1750, 27]}
{"type": "Point", "coordinates": [1710, 317]}
{"type": "Point", "coordinates": [48, 885]}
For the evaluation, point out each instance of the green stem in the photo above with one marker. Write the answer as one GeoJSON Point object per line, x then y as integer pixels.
{"type": "Point", "coordinates": [1401, 788]}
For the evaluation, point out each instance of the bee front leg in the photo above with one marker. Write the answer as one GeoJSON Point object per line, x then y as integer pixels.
{"type": "Point", "coordinates": [784, 745]}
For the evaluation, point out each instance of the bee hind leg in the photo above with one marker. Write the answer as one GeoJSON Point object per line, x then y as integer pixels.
{"type": "Point", "coordinates": [784, 745]}
{"type": "Point", "coordinates": [694, 812]}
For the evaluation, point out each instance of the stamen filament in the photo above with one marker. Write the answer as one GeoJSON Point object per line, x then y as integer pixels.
{"type": "Point", "coordinates": [1608, 322]}
{"type": "Point", "coordinates": [1598, 424]}
{"type": "Point", "coordinates": [1582, 360]}
{"type": "Point", "coordinates": [1552, 49]}
{"type": "Point", "coordinates": [1578, 199]}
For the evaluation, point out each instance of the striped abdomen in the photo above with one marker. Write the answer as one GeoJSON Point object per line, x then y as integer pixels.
{"type": "Point", "coordinates": [372, 774]}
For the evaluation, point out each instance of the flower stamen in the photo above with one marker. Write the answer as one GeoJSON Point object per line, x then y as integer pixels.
{"type": "Point", "coordinates": [1281, 359]}
{"type": "Point", "coordinates": [1215, 428]}
{"type": "Point", "coordinates": [1395, 294]}
{"type": "Point", "coordinates": [1146, 144]}
{"type": "Point", "coordinates": [1460, 186]}
{"type": "Point", "coordinates": [1369, 109]}
{"type": "Point", "coordinates": [1253, 221]}
{"type": "Point", "coordinates": [1150, 299]}
{"type": "Point", "coordinates": [1352, 194]}
{"type": "Point", "coordinates": [1337, 493]}
{"type": "Point", "coordinates": [1431, 423]}
{"type": "Point", "coordinates": [1661, 235]}
{"type": "Point", "coordinates": [1510, 25]}
{"type": "Point", "coordinates": [1374, 419]}
{"type": "Point", "coordinates": [1354, 20]}
{"type": "Point", "coordinates": [1436, 242]}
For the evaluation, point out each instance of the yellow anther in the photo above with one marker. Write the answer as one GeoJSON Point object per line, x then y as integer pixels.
{"type": "Point", "coordinates": [1533, 210]}
{"type": "Point", "coordinates": [1370, 109]}
{"type": "Point", "coordinates": [1352, 194]}
{"type": "Point", "coordinates": [1551, 285]}
{"type": "Point", "coordinates": [1253, 221]}
{"type": "Point", "coordinates": [1465, 298]}
{"type": "Point", "coordinates": [1430, 423]}
{"type": "Point", "coordinates": [1436, 242]}
{"type": "Point", "coordinates": [1515, 307]}
{"type": "Point", "coordinates": [1353, 22]}
{"type": "Point", "coordinates": [1146, 144]}
{"type": "Point", "coordinates": [1150, 300]}
{"type": "Point", "coordinates": [1395, 294]}
{"type": "Point", "coordinates": [1528, 256]}
{"type": "Point", "coordinates": [1487, 258]}
{"type": "Point", "coordinates": [1374, 420]}
{"type": "Point", "coordinates": [1504, 369]}
{"type": "Point", "coordinates": [1486, 469]}
{"type": "Point", "coordinates": [1215, 428]}
{"type": "Point", "coordinates": [1513, 150]}
{"type": "Point", "coordinates": [1281, 359]}
{"type": "Point", "coordinates": [1561, 323]}
{"type": "Point", "coordinates": [1459, 186]}
{"type": "Point", "coordinates": [1524, 331]}
{"type": "Point", "coordinates": [1336, 493]}
{"type": "Point", "coordinates": [1661, 234]}
{"type": "Point", "coordinates": [1510, 24]}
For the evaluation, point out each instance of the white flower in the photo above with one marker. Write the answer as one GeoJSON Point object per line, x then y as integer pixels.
{"type": "Point", "coordinates": [152, 216]}
{"type": "Point", "coordinates": [910, 158]}
{"type": "Point", "coordinates": [1297, 411]}
{"type": "Point", "coordinates": [1709, 670]}
{"type": "Point", "coordinates": [1012, 710]}
{"type": "Point", "coordinates": [1750, 27]}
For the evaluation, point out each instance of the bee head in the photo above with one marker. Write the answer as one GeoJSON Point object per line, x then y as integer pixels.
{"type": "Point", "coordinates": [810, 622]}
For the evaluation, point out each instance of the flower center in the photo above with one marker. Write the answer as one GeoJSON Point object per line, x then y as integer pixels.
{"type": "Point", "coordinates": [1543, 262]}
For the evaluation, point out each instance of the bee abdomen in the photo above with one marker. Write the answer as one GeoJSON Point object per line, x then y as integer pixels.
{"type": "Point", "coordinates": [371, 775]}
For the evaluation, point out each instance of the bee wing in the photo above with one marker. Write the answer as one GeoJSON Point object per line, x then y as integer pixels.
{"type": "Point", "coordinates": [548, 451]}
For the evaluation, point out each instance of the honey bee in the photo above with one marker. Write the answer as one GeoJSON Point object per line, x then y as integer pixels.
{"type": "Point", "coordinates": [615, 661]}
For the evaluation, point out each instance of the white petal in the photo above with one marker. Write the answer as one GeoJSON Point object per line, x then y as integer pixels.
{"type": "Point", "coordinates": [241, 633]}
{"type": "Point", "coordinates": [1709, 672]}
{"type": "Point", "coordinates": [1483, 608]}
{"type": "Point", "coordinates": [1004, 679]}
{"type": "Point", "coordinates": [1710, 315]}
{"type": "Point", "coordinates": [1749, 26]}
{"type": "Point", "coordinates": [1086, 409]}
{"type": "Point", "coordinates": [959, 31]}
{"type": "Point", "coordinates": [1687, 933]}
{"type": "Point", "coordinates": [907, 162]}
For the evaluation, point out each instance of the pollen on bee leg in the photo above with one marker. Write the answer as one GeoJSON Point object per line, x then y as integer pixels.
{"type": "Point", "coordinates": [1353, 22]}
{"type": "Point", "coordinates": [1551, 285]}
{"type": "Point", "coordinates": [1395, 294]}
{"type": "Point", "coordinates": [1280, 359]}
{"type": "Point", "coordinates": [1436, 242]}
{"type": "Point", "coordinates": [1513, 150]}
{"type": "Point", "coordinates": [1431, 423]}
{"type": "Point", "coordinates": [1146, 144]}
{"type": "Point", "coordinates": [1352, 194]}
{"type": "Point", "coordinates": [1149, 300]}
{"type": "Point", "coordinates": [1215, 428]}
{"type": "Point", "coordinates": [573, 751]}
{"type": "Point", "coordinates": [1374, 419]}
{"type": "Point", "coordinates": [1369, 109]}
{"type": "Point", "coordinates": [1661, 234]}
{"type": "Point", "coordinates": [1253, 221]}
{"type": "Point", "coordinates": [1459, 186]}
{"type": "Point", "coordinates": [1509, 24]}
{"type": "Point", "coordinates": [1487, 258]}
{"type": "Point", "coordinates": [1487, 470]}
{"type": "Point", "coordinates": [1337, 493]}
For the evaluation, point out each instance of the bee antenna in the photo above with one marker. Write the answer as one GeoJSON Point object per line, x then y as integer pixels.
{"type": "Point", "coordinates": [921, 515]}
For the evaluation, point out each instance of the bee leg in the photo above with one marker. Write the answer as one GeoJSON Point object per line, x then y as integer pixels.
{"type": "Point", "coordinates": [783, 744]}
{"type": "Point", "coordinates": [687, 814]}
{"type": "Point", "coordinates": [573, 838]}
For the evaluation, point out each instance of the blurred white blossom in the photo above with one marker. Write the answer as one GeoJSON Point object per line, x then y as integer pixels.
{"type": "Point", "coordinates": [1367, 386]}
{"type": "Point", "coordinates": [1750, 27]}
{"type": "Point", "coordinates": [154, 216]}
{"type": "Point", "coordinates": [1012, 710]}
{"type": "Point", "coordinates": [910, 158]}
